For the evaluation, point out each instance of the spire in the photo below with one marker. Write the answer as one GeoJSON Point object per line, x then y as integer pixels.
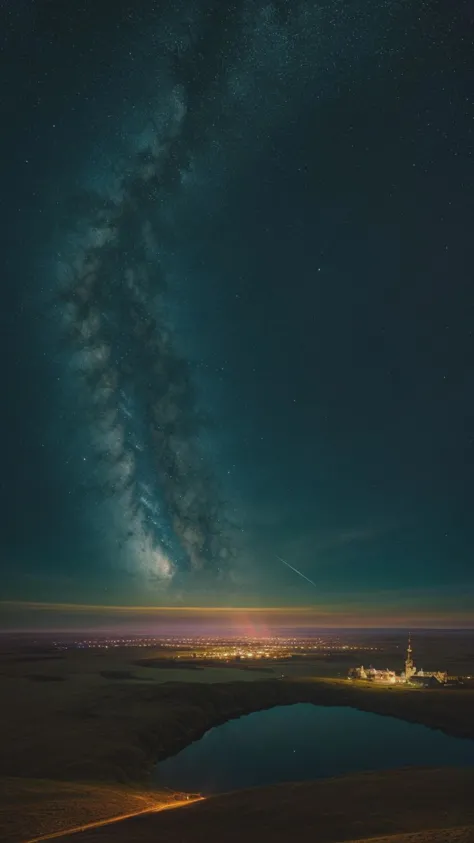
{"type": "Point", "coordinates": [409, 666]}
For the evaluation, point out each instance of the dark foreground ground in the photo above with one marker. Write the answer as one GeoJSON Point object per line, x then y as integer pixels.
{"type": "Point", "coordinates": [63, 719]}
{"type": "Point", "coordinates": [430, 806]}
{"type": "Point", "coordinates": [78, 742]}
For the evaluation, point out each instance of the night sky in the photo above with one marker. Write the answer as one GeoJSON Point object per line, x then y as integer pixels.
{"type": "Point", "coordinates": [237, 308]}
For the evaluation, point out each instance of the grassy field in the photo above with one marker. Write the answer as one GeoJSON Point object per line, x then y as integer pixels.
{"type": "Point", "coordinates": [31, 808]}
{"type": "Point", "coordinates": [352, 808]}
{"type": "Point", "coordinates": [92, 717]}
{"type": "Point", "coordinates": [84, 725]}
{"type": "Point", "coordinates": [465, 834]}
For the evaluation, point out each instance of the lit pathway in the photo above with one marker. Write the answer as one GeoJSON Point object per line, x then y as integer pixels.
{"type": "Point", "coordinates": [65, 833]}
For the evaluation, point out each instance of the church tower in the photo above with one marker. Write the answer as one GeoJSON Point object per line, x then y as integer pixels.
{"type": "Point", "coordinates": [409, 666]}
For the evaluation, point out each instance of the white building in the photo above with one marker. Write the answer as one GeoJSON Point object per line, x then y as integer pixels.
{"type": "Point", "coordinates": [410, 676]}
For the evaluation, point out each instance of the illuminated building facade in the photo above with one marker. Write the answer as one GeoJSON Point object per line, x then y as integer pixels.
{"type": "Point", "coordinates": [410, 676]}
{"type": "Point", "coordinates": [410, 668]}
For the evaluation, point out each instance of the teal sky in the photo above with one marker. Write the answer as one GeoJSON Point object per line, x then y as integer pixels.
{"type": "Point", "coordinates": [237, 315]}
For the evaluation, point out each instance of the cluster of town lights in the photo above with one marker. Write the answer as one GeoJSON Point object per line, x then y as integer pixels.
{"type": "Point", "coordinates": [220, 648]}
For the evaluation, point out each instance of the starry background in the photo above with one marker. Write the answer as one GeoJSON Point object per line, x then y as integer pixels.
{"type": "Point", "coordinates": [280, 323]}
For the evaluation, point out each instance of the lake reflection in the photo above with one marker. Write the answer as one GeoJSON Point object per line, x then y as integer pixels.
{"type": "Point", "coordinates": [303, 741]}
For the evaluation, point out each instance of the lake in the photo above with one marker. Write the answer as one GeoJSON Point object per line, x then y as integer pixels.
{"type": "Point", "coordinates": [304, 741]}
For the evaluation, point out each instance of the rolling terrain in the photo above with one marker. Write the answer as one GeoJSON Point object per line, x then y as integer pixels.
{"type": "Point", "coordinates": [81, 731]}
{"type": "Point", "coordinates": [404, 806]}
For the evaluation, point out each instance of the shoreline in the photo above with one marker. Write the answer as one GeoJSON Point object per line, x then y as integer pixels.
{"type": "Point", "coordinates": [90, 756]}
{"type": "Point", "coordinates": [414, 706]}
{"type": "Point", "coordinates": [116, 732]}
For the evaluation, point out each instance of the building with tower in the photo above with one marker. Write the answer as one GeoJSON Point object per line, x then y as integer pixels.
{"type": "Point", "coordinates": [410, 676]}
{"type": "Point", "coordinates": [410, 668]}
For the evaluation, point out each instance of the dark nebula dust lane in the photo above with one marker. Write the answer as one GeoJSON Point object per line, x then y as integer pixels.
{"type": "Point", "coordinates": [114, 287]}
{"type": "Point", "coordinates": [237, 304]}
{"type": "Point", "coordinates": [141, 398]}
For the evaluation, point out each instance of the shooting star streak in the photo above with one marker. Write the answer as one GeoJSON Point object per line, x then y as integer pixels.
{"type": "Point", "coordinates": [297, 572]}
